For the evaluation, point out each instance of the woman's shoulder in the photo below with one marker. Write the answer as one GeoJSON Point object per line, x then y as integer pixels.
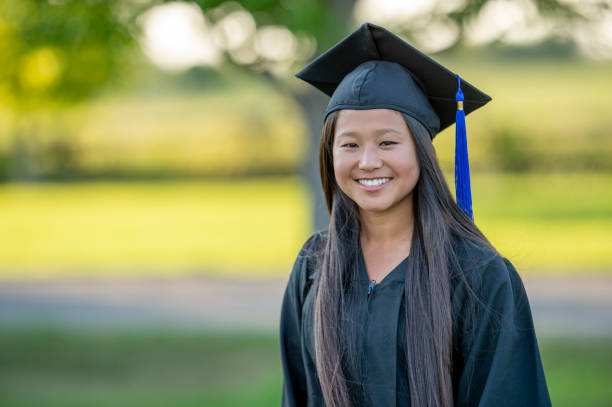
{"type": "Point", "coordinates": [313, 245]}
{"type": "Point", "coordinates": [489, 287]}
{"type": "Point", "coordinates": [482, 265]}
{"type": "Point", "coordinates": [305, 265]}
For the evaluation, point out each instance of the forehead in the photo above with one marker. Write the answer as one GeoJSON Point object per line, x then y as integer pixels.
{"type": "Point", "coordinates": [369, 120]}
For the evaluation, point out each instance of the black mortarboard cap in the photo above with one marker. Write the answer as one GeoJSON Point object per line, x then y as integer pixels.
{"type": "Point", "coordinates": [373, 68]}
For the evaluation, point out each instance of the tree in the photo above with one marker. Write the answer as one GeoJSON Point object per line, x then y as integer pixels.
{"type": "Point", "coordinates": [55, 53]}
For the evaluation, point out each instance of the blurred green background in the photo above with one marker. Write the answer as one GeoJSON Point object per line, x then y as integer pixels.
{"type": "Point", "coordinates": [143, 138]}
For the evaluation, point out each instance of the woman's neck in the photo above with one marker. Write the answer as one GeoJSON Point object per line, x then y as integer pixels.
{"type": "Point", "coordinates": [389, 228]}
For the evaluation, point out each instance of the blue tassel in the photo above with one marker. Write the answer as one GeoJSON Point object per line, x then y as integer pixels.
{"type": "Point", "coordinates": [462, 166]}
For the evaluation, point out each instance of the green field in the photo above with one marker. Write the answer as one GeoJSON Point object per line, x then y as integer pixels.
{"type": "Point", "coordinates": [557, 222]}
{"type": "Point", "coordinates": [548, 124]}
{"type": "Point", "coordinates": [46, 368]}
{"type": "Point", "coordinates": [233, 227]}
{"type": "Point", "coordinates": [542, 222]}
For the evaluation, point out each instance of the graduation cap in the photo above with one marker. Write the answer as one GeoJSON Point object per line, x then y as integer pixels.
{"type": "Point", "coordinates": [372, 68]}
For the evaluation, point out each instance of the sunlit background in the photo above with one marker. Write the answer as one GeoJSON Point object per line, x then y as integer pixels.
{"type": "Point", "coordinates": [157, 166]}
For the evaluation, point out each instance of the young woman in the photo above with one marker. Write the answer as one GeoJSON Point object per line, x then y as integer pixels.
{"type": "Point", "coordinates": [403, 301]}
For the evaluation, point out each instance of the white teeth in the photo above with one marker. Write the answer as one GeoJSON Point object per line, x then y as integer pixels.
{"type": "Point", "coordinates": [373, 182]}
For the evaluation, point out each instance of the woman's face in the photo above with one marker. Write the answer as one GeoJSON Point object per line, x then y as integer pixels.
{"type": "Point", "coordinates": [375, 160]}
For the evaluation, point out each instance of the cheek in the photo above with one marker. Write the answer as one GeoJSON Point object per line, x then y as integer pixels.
{"type": "Point", "coordinates": [411, 166]}
{"type": "Point", "coordinates": [342, 167]}
{"type": "Point", "coordinates": [415, 174]}
{"type": "Point", "coordinates": [407, 164]}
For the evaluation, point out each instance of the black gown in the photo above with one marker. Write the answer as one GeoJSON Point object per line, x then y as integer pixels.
{"type": "Point", "coordinates": [494, 364]}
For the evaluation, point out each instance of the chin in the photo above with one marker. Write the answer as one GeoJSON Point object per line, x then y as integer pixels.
{"type": "Point", "coordinates": [382, 204]}
{"type": "Point", "coordinates": [373, 207]}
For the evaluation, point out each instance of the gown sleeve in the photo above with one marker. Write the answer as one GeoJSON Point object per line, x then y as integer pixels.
{"type": "Point", "coordinates": [294, 372]}
{"type": "Point", "coordinates": [499, 350]}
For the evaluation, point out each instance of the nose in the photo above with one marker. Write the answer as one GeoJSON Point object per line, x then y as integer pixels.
{"type": "Point", "coordinates": [370, 159]}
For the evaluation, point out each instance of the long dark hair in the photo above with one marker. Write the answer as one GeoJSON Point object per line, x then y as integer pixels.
{"type": "Point", "coordinates": [432, 261]}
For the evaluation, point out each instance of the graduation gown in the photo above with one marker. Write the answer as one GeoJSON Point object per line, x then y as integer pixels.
{"type": "Point", "coordinates": [496, 361]}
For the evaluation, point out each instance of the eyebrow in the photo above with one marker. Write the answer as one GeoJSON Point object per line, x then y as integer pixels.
{"type": "Point", "coordinates": [377, 132]}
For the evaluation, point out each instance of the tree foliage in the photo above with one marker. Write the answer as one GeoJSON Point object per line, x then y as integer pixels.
{"type": "Point", "coordinates": [57, 52]}
{"type": "Point", "coordinates": [61, 51]}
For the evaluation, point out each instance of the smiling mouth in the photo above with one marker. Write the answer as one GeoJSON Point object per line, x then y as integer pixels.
{"type": "Point", "coordinates": [373, 182]}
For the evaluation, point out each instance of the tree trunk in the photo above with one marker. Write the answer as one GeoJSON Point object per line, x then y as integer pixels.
{"type": "Point", "coordinates": [313, 104]}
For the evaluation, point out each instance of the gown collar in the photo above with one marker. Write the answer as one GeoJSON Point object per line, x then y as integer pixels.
{"type": "Point", "coordinates": [394, 276]}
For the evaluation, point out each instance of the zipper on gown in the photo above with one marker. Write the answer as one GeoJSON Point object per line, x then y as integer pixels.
{"type": "Point", "coordinates": [371, 286]}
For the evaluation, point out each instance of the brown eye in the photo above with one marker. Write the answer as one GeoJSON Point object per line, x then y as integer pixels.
{"type": "Point", "coordinates": [387, 143]}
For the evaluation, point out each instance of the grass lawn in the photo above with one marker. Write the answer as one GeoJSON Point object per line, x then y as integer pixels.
{"type": "Point", "coordinates": [256, 225]}
{"type": "Point", "coordinates": [542, 222]}
{"type": "Point", "coordinates": [51, 368]}
{"type": "Point", "coordinates": [547, 222]}
{"type": "Point", "coordinates": [47, 368]}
